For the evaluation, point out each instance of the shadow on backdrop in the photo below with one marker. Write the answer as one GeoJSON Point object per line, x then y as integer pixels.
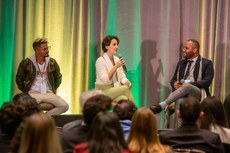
{"type": "Point", "coordinates": [152, 90]}
{"type": "Point", "coordinates": [222, 58]}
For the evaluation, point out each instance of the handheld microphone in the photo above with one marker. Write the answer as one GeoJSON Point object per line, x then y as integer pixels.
{"type": "Point", "coordinates": [182, 81]}
{"type": "Point", "coordinates": [124, 67]}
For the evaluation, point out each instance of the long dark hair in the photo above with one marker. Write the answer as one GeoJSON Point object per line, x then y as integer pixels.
{"type": "Point", "coordinates": [106, 134]}
{"type": "Point", "coordinates": [227, 107]}
{"type": "Point", "coordinates": [214, 113]}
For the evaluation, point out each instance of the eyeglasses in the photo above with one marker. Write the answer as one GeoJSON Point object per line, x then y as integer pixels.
{"type": "Point", "coordinates": [46, 49]}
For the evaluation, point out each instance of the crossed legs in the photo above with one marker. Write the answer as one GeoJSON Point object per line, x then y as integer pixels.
{"type": "Point", "coordinates": [51, 102]}
{"type": "Point", "coordinates": [116, 93]}
{"type": "Point", "coordinates": [185, 90]}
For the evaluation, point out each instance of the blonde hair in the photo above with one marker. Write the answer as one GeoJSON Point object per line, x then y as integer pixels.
{"type": "Point", "coordinates": [143, 133]}
{"type": "Point", "coordinates": [39, 135]}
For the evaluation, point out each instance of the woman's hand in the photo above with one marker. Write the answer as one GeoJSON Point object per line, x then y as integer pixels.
{"type": "Point", "coordinates": [119, 63]}
{"type": "Point", "coordinates": [127, 83]}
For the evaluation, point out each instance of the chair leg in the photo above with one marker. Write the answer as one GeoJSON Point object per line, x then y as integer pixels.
{"type": "Point", "coordinates": [167, 118]}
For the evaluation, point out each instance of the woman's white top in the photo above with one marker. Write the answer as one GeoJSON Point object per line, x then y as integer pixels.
{"type": "Point", "coordinates": [103, 66]}
{"type": "Point", "coordinates": [223, 132]}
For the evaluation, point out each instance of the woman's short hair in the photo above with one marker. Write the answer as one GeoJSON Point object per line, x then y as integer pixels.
{"type": "Point", "coordinates": [107, 40]}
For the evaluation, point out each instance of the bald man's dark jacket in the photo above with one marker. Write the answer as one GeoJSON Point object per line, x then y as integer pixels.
{"type": "Point", "coordinates": [191, 137]}
{"type": "Point", "coordinates": [207, 73]}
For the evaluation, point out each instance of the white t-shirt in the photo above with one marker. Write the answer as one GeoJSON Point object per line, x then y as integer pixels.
{"type": "Point", "coordinates": [41, 81]}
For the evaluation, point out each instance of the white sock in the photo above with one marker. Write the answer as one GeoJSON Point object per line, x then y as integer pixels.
{"type": "Point", "coordinates": [163, 105]}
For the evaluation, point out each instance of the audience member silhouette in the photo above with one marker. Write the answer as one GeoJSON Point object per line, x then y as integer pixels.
{"type": "Point", "coordinates": [106, 136]}
{"type": "Point", "coordinates": [125, 110]}
{"type": "Point", "coordinates": [88, 94]}
{"type": "Point", "coordinates": [77, 131]}
{"type": "Point", "coordinates": [215, 119]}
{"type": "Point", "coordinates": [227, 108]}
{"type": "Point", "coordinates": [189, 136]}
{"type": "Point", "coordinates": [28, 102]}
{"type": "Point", "coordinates": [20, 97]}
{"type": "Point", "coordinates": [143, 134]}
{"type": "Point", "coordinates": [37, 134]}
{"type": "Point", "coordinates": [12, 114]}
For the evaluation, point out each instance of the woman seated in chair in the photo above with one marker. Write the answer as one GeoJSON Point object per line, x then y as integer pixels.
{"type": "Point", "coordinates": [110, 77]}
